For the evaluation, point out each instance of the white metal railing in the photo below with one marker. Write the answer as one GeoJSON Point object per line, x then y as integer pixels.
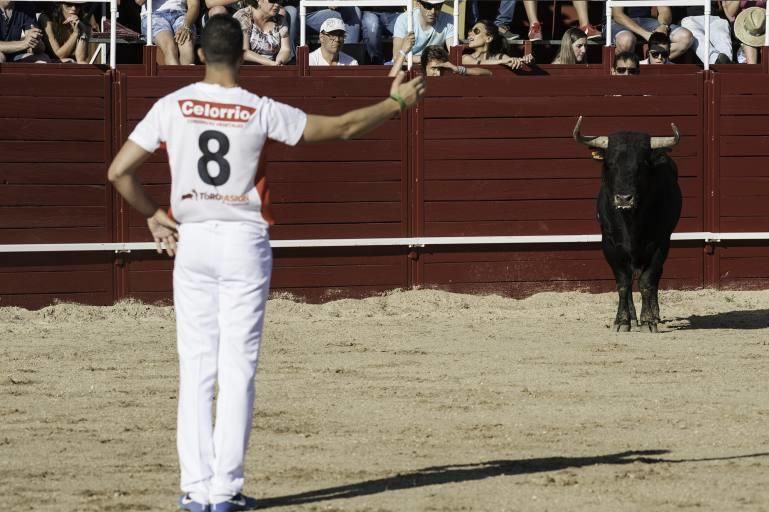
{"type": "Point", "coordinates": [112, 34]}
{"type": "Point", "coordinates": [704, 236]}
{"type": "Point", "coordinates": [663, 3]}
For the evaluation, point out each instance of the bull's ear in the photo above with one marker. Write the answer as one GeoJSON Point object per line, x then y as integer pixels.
{"type": "Point", "coordinates": [659, 156]}
{"type": "Point", "coordinates": [597, 154]}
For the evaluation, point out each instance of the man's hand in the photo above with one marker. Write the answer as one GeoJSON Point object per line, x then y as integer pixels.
{"type": "Point", "coordinates": [32, 37]}
{"type": "Point", "coordinates": [182, 35]}
{"type": "Point", "coordinates": [447, 65]}
{"type": "Point", "coordinates": [164, 231]}
{"type": "Point", "coordinates": [411, 92]}
{"type": "Point", "coordinates": [408, 42]}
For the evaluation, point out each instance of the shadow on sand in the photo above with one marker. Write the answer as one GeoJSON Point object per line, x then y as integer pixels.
{"type": "Point", "coordinates": [439, 475]}
{"type": "Point", "coordinates": [756, 319]}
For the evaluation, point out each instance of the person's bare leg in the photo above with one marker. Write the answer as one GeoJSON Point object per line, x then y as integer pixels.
{"type": "Point", "coordinates": [531, 11]}
{"type": "Point", "coordinates": [581, 7]}
{"type": "Point", "coordinates": [680, 41]}
{"type": "Point", "coordinates": [166, 43]}
{"type": "Point", "coordinates": [187, 52]}
{"type": "Point", "coordinates": [751, 54]}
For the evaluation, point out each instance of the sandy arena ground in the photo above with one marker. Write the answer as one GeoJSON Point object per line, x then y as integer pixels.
{"type": "Point", "coordinates": [414, 401]}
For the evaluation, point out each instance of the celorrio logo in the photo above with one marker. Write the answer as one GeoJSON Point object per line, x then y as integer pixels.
{"type": "Point", "coordinates": [216, 111]}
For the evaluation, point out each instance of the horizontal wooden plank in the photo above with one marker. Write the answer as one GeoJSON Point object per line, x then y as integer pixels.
{"type": "Point", "coordinates": [338, 256]}
{"type": "Point", "coordinates": [358, 275]}
{"type": "Point", "coordinates": [488, 272]}
{"type": "Point", "coordinates": [744, 145]}
{"type": "Point", "coordinates": [335, 192]}
{"type": "Point", "coordinates": [747, 249]}
{"type": "Point", "coordinates": [57, 282]}
{"type": "Point", "coordinates": [57, 173]}
{"type": "Point", "coordinates": [54, 235]}
{"type": "Point", "coordinates": [566, 106]}
{"type": "Point", "coordinates": [337, 213]}
{"type": "Point", "coordinates": [745, 186]}
{"type": "Point", "coordinates": [67, 86]}
{"type": "Point", "coordinates": [29, 107]}
{"type": "Point", "coordinates": [575, 84]}
{"type": "Point", "coordinates": [744, 268]}
{"type": "Point", "coordinates": [52, 129]}
{"type": "Point", "coordinates": [532, 227]}
{"type": "Point", "coordinates": [529, 189]}
{"type": "Point", "coordinates": [56, 261]}
{"type": "Point", "coordinates": [522, 149]}
{"type": "Point", "coordinates": [743, 224]}
{"type": "Point", "coordinates": [150, 281]}
{"type": "Point", "coordinates": [53, 217]}
{"type": "Point", "coordinates": [585, 167]}
{"type": "Point", "coordinates": [347, 151]}
{"type": "Point", "coordinates": [51, 151]}
{"type": "Point", "coordinates": [553, 209]}
{"type": "Point", "coordinates": [743, 166]}
{"type": "Point", "coordinates": [534, 252]}
{"type": "Point", "coordinates": [743, 125]}
{"type": "Point", "coordinates": [52, 195]}
{"type": "Point", "coordinates": [751, 84]}
{"type": "Point", "coordinates": [752, 105]}
{"type": "Point", "coordinates": [309, 172]}
{"type": "Point", "coordinates": [547, 127]}
{"type": "Point", "coordinates": [314, 231]}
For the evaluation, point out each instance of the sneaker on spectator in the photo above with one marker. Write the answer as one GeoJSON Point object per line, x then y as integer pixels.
{"type": "Point", "coordinates": [591, 31]}
{"type": "Point", "coordinates": [187, 503]}
{"type": "Point", "coordinates": [535, 32]}
{"type": "Point", "coordinates": [235, 504]}
{"type": "Point", "coordinates": [508, 34]}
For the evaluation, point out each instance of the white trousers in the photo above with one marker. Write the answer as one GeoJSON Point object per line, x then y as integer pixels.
{"type": "Point", "coordinates": [720, 38]}
{"type": "Point", "coordinates": [221, 283]}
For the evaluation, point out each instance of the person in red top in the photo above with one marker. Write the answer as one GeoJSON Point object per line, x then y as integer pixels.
{"type": "Point", "coordinates": [214, 132]}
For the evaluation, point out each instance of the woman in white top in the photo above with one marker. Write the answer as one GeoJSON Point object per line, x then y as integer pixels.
{"type": "Point", "coordinates": [265, 37]}
{"type": "Point", "coordinates": [173, 28]}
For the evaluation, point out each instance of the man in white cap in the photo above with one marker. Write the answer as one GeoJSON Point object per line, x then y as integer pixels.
{"type": "Point", "coordinates": [431, 27]}
{"type": "Point", "coordinates": [332, 34]}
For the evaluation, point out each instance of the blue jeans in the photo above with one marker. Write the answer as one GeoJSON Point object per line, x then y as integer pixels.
{"type": "Point", "coordinates": [349, 15]}
{"type": "Point", "coordinates": [504, 13]}
{"type": "Point", "coordinates": [373, 25]}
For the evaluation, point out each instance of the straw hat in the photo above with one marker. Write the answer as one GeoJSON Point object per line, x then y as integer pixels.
{"type": "Point", "coordinates": [750, 26]}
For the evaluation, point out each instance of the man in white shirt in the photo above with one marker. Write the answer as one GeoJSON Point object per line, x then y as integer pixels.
{"type": "Point", "coordinates": [431, 27]}
{"type": "Point", "coordinates": [332, 34]}
{"type": "Point", "coordinates": [214, 133]}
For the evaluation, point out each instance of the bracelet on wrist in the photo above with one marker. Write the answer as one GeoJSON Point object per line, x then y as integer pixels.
{"type": "Point", "coordinates": [461, 70]}
{"type": "Point", "coordinates": [400, 100]}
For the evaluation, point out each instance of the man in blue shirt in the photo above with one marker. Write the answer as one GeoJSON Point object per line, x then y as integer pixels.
{"type": "Point", "coordinates": [431, 27]}
{"type": "Point", "coordinates": [20, 38]}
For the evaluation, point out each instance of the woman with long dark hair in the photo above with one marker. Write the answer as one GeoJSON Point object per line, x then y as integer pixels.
{"type": "Point", "coordinates": [485, 45]}
{"type": "Point", "coordinates": [66, 33]}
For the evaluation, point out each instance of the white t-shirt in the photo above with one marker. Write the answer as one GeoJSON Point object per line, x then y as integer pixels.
{"type": "Point", "coordinates": [167, 5]}
{"type": "Point", "coordinates": [214, 137]}
{"type": "Point", "coordinates": [316, 59]}
{"type": "Point", "coordinates": [440, 32]}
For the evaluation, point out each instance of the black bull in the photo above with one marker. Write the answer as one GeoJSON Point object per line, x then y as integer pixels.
{"type": "Point", "coordinates": [639, 205]}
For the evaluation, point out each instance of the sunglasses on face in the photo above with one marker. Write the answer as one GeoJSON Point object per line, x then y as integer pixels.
{"type": "Point", "coordinates": [477, 31]}
{"type": "Point", "coordinates": [429, 7]}
{"type": "Point", "coordinates": [279, 2]}
{"type": "Point", "coordinates": [334, 35]}
{"type": "Point", "coordinates": [624, 70]}
{"type": "Point", "coordinates": [656, 54]}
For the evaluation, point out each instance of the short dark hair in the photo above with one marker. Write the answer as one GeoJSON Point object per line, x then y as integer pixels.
{"type": "Point", "coordinates": [659, 38]}
{"type": "Point", "coordinates": [435, 52]}
{"type": "Point", "coordinates": [631, 56]}
{"type": "Point", "coordinates": [222, 40]}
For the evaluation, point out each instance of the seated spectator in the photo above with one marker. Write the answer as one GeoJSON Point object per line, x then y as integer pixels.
{"type": "Point", "coordinates": [504, 18]}
{"type": "Point", "coordinates": [637, 21]}
{"type": "Point", "coordinates": [573, 47]}
{"type": "Point", "coordinates": [625, 63]}
{"type": "Point", "coordinates": [265, 36]}
{"type": "Point", "coordinates": [720, 35]}
{"type": "Point", "coordinates": [659, 49]}
{"type": "Point", "coordinates": [21, 40]}
{"type": "Point", "coordinates": [487, 46]}
{"type": "Point", "coordinates": [431, 27]}
{"type": "Point", "coordinates": [173, 28]}
{"type": "Point", "coordinates": [435, 62]}
{"type": "Point", "coordinates": [331, 41]}
{"type": "Point", "coordinates": [66, 33]}
{"type": "Point", "coordinates": [374, 25]}
{"type": "Point", "coordinates": [749, 28]}
{"type": "Point", "coordinates": [535, 27]}
{"type": "Point", "coordinates": [351, 16]}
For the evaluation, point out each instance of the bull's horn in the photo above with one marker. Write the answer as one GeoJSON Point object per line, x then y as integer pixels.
{"type": "Point", "coordinates": [666, 142]}
{"type": "Point", "coordinates": [601, 141]}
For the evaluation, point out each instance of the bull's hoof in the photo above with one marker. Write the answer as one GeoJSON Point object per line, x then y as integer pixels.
{"type": "Point", "coordinates": [649, 327]}
{"type": "Point", "coordinates": [622, 327]}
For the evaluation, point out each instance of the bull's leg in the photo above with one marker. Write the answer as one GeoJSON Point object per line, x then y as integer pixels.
{"type": "Point", "coordinates": [649, 284]}
{"type": "Point", "coordinates": [624, 278]}
{"type": "Point", "coordinates": [631, 306]}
